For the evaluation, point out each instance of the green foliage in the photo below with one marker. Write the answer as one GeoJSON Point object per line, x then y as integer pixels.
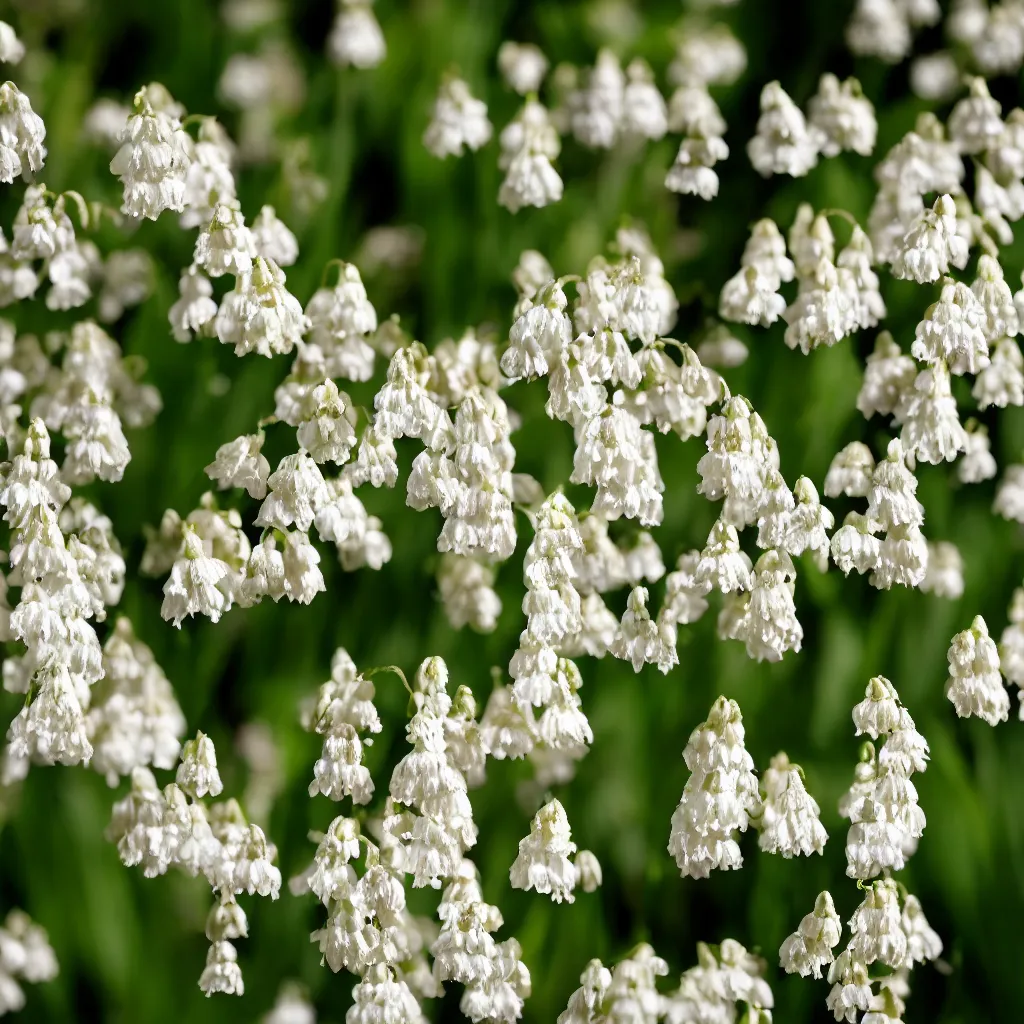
{"type": "Point", "coordinates": [131, 949]}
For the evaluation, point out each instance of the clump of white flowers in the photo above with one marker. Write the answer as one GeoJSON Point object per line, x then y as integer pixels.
{"type": "Point", "coordinates": [720, 796]}
{"type": "Point", "coordinates": [174, 827]}
{"type": "Point", "coordinates": [459, 120]}
{"type": "Point", "coordinates": [886, 820]}
{"type": "Point", "coordinates": [25, 957]}
{"type": "Point", "coordinates": [975, 682]}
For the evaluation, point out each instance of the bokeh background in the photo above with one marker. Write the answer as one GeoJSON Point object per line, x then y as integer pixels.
{"type": "Point", "coordinates": [131, 949]}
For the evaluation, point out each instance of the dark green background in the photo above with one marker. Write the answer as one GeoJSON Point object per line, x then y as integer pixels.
{"type": "Point", "coordinates": [131, 949]}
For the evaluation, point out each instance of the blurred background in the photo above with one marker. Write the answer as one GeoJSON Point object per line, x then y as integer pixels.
{"type": "Point", "coordinates": [348, 161]}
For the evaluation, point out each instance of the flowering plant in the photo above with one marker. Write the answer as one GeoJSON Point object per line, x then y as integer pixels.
{"type": "Point", "coordinates": [396, 482]}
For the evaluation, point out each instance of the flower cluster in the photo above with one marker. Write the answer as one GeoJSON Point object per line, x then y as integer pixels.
{"type": "Point", "coordinates": [173, 827]}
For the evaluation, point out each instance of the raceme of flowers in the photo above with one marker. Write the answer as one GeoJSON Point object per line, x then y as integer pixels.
{"type": "Point", "coordinates": [600, 339]}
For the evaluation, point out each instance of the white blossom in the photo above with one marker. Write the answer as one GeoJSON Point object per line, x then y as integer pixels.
{"type": "Point", "coordinates": [642, 640]}
{"type": "Point", "coordinates": [719, 796]}
{"type": "Point", "coordinates": [459, 119]}
{"type": "Point", "coordinates": [810, 947]}
{"type": "Point", "coordinates": [844, 115]}
{"type": "Point", "coordinates": [931, 244]}
{"type": "Point", "coordinates": [522, 65]}
{"type": "Point", "coordinates": [356, 39]}
{"type": "Point", "coordinates": [783, 144]}
{"type": "Point", "coordinates": [21, 135]}
{"type": "Point", "coordinates": [544, 862]}
{"type": "Point", "coordinates": [153, 159]}
{"type": "Point", "coordinates": [975, 684]}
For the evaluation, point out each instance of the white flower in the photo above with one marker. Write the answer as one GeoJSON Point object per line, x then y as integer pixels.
{"type": "Point", "coordinates": [783, 144]}
{"type": "Point", "coordinates": [197, 584]}
{"type": "Point", "coordinates": [945, 574]}
{"type": "Point", "coordinates": [382, 998]}
{"type": "Point", "coordinates": [978, 463]}
{"type": "Point", "coordinates": [953, 330]}
{"type": "Point", "coordinates": [975, 122]}
{"type": "Point", "coordinates": [225, 245]}
{"type": "Point", "coordinates": [844, 115]}
{"type": "Point", "coordinates": [644, 114]}
{"type": "Point", "coordinates": [222, 973]}
{"type": "Point", "coordinates": [356, 38]}
{"type": "Point", "coordinates": [876, 927]}
{"type": "Point", "coordinates": [722, 350]}
{"type": "Point", "coordinates": [327, 430]}
{"type": "Point", "coordinates": [931, 244]}
{"type": "Point", "coordinates": [691, 173]}
{"type": "Point", "coordinates": [739, 448]}
{"type": "Point", "coordinates": [708, 56]}
{"type": "Point", "coordinates": [810, 947]}
{"type": "Point", "coordinates": [825, 309]}
{"type": "Point", "coordinates": [888, 375]}
{"type": "Point", "coordinates": [770, 626]}
{"type": "Point", "coordinates": [263, 574]}
{"type": "Point", "coordinates": [935, 76]}
{"type": "Point", "coordinates": [588, 871]}
{"type": "Point", "coordinates": [467, 591]}
{"type": "Point", "coordinates": [643, 559]}
{"type": "Point", "coordinates": [544, 861]}
{"type": "Point", "coordinates": [406, 407]}
{"type": "Point", "coordinates": [291, 1007]}
{"type": "Point", "coordinates": [923, 944]}
{"type": "Point", "coordinates": [1009, 501]}
{"type": "Point", "coordinates": [1011, 643]}
{"type": "Point", "coordinates": [260, 314]}
{"type": "Point", "coordinates": [197, 774]}
{"type": "Point", "coordinates": [240, 463]}
{"type": "Point", "coordinates": [810, 240]}
{"type": "Point", "coordinates": [808, 523]}
{"type": "Point", "coordinates": [719, 796]}
{"type": "Point", "coordinates": [209, 179]}
{"type": "Point", "coordinates": [506, 728]}
{"type": "Point", "coordinates": [273, 238]}
{"type": "Point", "coordinates": [879, 28]}
{"type": "Point", "coordinates": [684, 597]}
{"type": "Point", "coordinates": [11, 47]}
{"type": "Point", "coordinates": [522, 65]}
{"type": "Point", "coordinates": [195, 309]}
{"type": "Point", "coordinates": [992, 291]}
{"type": "Point", "coordinates": [975, 685]}
{"type": "Point", "coordinates": [339, 771]}
{"type": "Point", "coordinates": [528, 145]}
{"type": "Point", "coordinates": [596, 108]}
{"type": "Point", "coordinates": [850, 472]}
{"type": "Point", "coordinates": [540, 335]}
{"type": "Point", "coordinates": [891, 500]}
{"type": "Point", "coordinates": [641, 640]}
{"type": "Point", "coordinates": [300, 563]}
{"type": "Point", "coordinates": [881, 711]}
{"type": "Point", "coordinates": [21, 135]}
{"type": "Point", "coordinates": [856, 276]}
{"type": "Point", "coordinates": [1001, 382]}
{"type": "Point", "coordinates": [40, 229]}
{"type": "Point", "coordinates": [932, 431]}
{"type": "Point", "coordinates": [722, 565]}
{"type": "Point", "coordinates": [297, 493]}
{"type": "Point", "coordinates": [617, 456]}
{"type": "Point", "coordinates": [133, 718]}
{"type": "Point", "coordinates": [851, 986]}
{"type": "Point", "coordinates": [788, 821]}
{"type": "Point", "coordinates": [152, 161]}
{"type": "Point", "coordinates": [587, 1000]}
{"type": "Point", "coordinates": [459, 119]}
